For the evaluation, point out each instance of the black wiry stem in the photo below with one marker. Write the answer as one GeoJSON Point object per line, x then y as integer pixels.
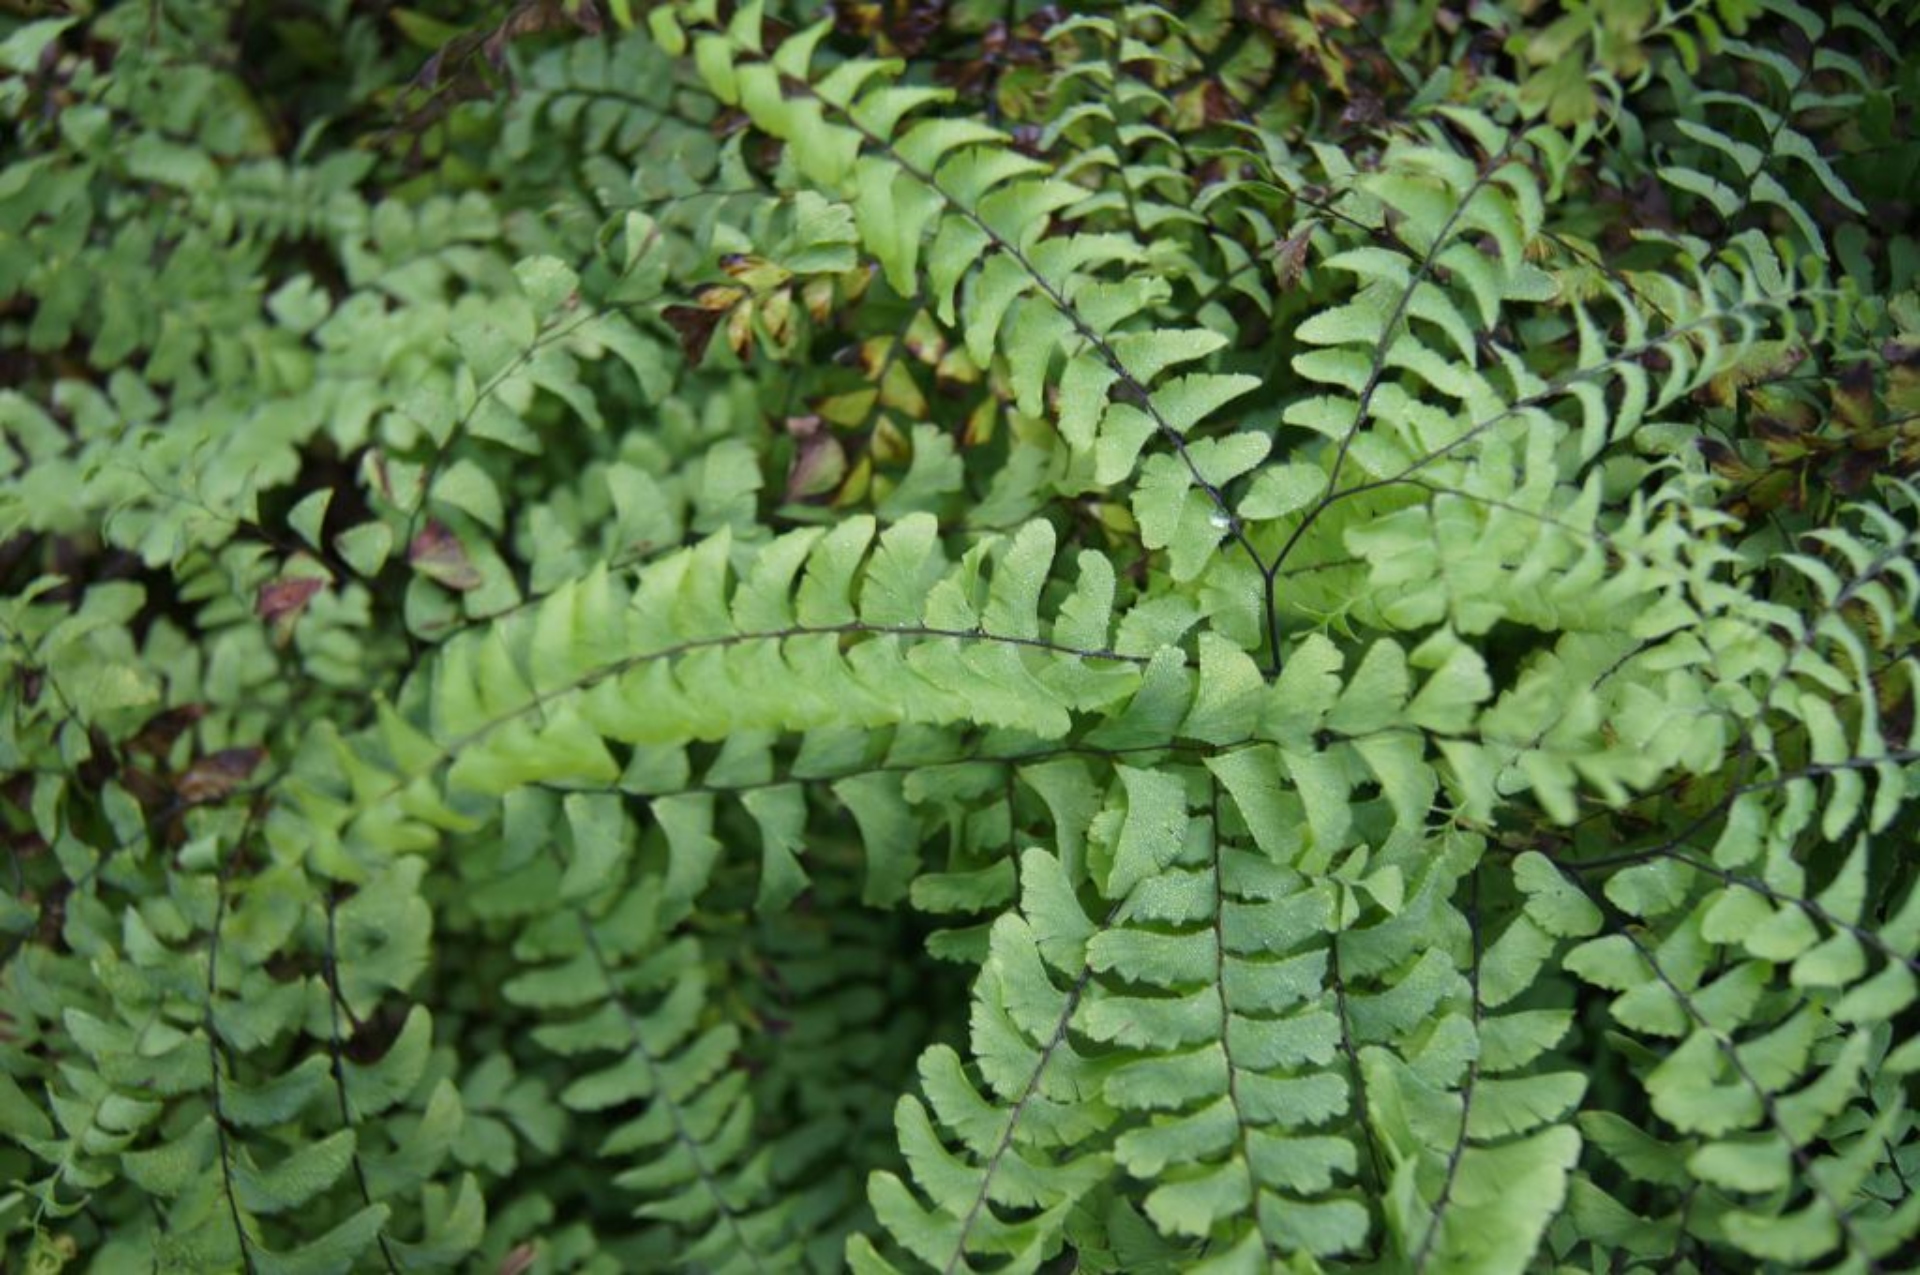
{"type": "Point", "coordinates": [336, 1054]}
{"type": "Point", "coordinates": [1425, 1249]}
{"type": "Point", "coordinates": [214, 1055]}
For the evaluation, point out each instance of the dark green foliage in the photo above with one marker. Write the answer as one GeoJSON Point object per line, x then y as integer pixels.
{"type": "Point", "coordinates": [951, 637]}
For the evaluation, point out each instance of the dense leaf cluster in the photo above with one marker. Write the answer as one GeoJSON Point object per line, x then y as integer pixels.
{"type": "Point", "coordinates": [952, 636]}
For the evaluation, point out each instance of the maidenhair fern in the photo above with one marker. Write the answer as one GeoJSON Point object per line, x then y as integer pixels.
{"type": "Point", "coordinates": [743, 637]}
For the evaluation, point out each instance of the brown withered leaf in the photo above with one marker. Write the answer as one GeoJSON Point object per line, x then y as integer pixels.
{"type": "Point", "coordinates": [150, 790]}
{"type": "Point", "coordinates": [917, 24]}
{"type": "Point", "coordinates": [1724, 460]}
{"type": "Point", "coordinates": [1217, 104]}
{"type": "Point", "coordinates": [532, 17]}
{"type": "Point", "coordinates": [217, 775]}
{"type": "Point", "coordinates": [437, 554]}
{"type": "Point", "coordinates": [286, 597]}
{"type": "Point", "coordinates": [1854, 474]}
{"type": "Point", "coordinates": [157, 736]}
{"type": "Point", "coordinates": [694, 324]}
{"type": "Point", "coordinates": [819, 461]}
{"type": "Point", "coordinates": [1290, 255]}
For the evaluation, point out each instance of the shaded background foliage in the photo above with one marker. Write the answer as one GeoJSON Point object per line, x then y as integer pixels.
{"type": "Point", "coordinates": [958, 636]}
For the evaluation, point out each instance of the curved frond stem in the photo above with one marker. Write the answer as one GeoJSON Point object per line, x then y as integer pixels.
{"type": "Point", "coordinates": [1802, 1161]}
{"type": "Point", "coordinates": [1008, 762]}
{"type": "Point", "coordinates": [541, 702]}
{"type": "Point", "coordinates": [971, 1218]}
{"type": "Point", "coordinates": [1673, 850]}
{"type": "Point", "coordinates": [1552, 392]}
{"type": "Point", "coordinates": [1376, 373]}
{"type": "Point", "coordinates": [1130, 384]}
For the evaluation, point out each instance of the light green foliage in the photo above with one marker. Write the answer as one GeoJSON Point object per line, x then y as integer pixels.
{"type": "Point", "coordinates": [1224, 638]}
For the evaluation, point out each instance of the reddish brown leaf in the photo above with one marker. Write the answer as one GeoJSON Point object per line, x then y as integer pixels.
{"type": "Point", "coordinates": [695, 325]}
{"type": "Point", "coordinates": [819, 462]}
{"type": "Point", "coordinates": [286, 597]}
{"type": "Point", "coordinates": [437, 554]}
{"type": "Point", "coordinates": [1290, 255]}
{"type": "Point", "coordinates": [147, 788]}
{"type": "Point", "coordinates": [217, 775]}
{"type": "Point", "coordinates": [1902, 351]}
{"type": "Point", "coordinates": [157, 737]}
{"type": "Point", "coordinates": [1217, 103]}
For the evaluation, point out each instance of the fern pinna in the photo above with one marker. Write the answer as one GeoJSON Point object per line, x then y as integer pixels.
{"type": "Point", "coordinates": [733, 637]}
